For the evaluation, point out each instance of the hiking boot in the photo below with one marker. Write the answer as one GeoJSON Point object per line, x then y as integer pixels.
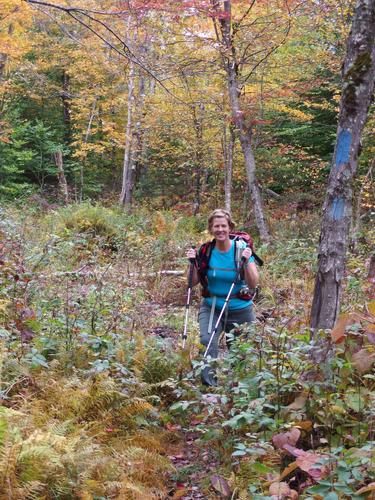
{"type": "Point", "coordinates": [208, 377]}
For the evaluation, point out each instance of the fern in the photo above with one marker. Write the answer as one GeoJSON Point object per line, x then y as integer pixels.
{"type": "Point", "coordinates": [147, 441]}
{"type": "Point", "coordinates": [132, 490]}
{"type": "Point", "coordinates": [63, 442]}
{"type": "Point", "coordinates": [136, 407]}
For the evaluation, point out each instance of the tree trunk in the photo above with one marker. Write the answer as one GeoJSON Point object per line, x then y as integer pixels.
{"type": "Point", "coordinates": [357, 213]}
{"type": "Point", "coordinates": [3, 60]}
{"type": "Point", "coordinates": [371, 268]}
{"type": "Point", "coordinates": [58, 157]}
{"type": "Point", "coordinates": [139, 135]}
{"type": "Point", "coordinates": [125, 196]}
{"type": "Point", "coordinates": [228, 151]}
{"type": "Point", "coordinates": [4, 55]}
{"type": "Point", "coordinates": [245, 141]}
{"type": "Point", "coordinates": [358, 85]}
{"type": "Point", "coordinates": [82, 165]}
{"type": "Point", "coordinates": [65, 98]}
{"type": "Point", "coordinates": [198, 127]}
{"type": "Point", "coordinates": [238, 118]}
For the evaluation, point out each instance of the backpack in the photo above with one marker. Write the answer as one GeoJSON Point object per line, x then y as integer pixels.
{"type": "Point", "coordinates": [204, 254]}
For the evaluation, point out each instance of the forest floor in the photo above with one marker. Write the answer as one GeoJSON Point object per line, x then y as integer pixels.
{"type": "Point", "coordinates": [194, 462]}
{"type": "Point", "coordinates": [98, 400]}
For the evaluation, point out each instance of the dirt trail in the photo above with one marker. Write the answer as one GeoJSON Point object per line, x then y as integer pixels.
{"type": "Point", "coordinates": [195, 464]}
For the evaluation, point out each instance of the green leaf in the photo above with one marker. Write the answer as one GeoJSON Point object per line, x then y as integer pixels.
{"type": "Point", "coordinates": [258, 467]}
{"type": "Point", "coordinates": [319, 489]}
{"type": "Point", "coordinates": [357, 474]}
{"type": "Point", "coordinates": [354, 401]}
{"type": "Point", "coordinates": [343, 488]}
{"type": "Point", "coordinates": [332, 496]}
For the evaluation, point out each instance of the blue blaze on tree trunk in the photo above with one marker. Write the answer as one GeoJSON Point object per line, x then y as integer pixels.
{"type": "Point", "coordinates": [357, 91]}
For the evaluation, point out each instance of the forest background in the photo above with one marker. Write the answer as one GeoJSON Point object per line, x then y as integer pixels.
{"type": "Point", "coordinates": [122, 124]}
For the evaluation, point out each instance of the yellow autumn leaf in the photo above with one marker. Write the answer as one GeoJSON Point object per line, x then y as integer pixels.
{"type": "Point", "coordinates": [3, 305]}
{"type": "Point", "coordinates": [295, 113]}
{"type": "Point", "coordinates": [371, 308]}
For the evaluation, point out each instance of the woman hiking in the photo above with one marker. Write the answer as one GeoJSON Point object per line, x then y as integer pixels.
{"type": "Point", "coordinates": [216, 268]}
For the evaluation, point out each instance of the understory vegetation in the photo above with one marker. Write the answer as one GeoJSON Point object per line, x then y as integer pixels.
{"type": "Point", "coordinates": [97, 397]}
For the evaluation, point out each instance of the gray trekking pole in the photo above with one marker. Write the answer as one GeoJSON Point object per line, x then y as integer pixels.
{"type": "Point", "coordinates": [224, 307]}
{"type": "Point", "coordinates": [188, 300]}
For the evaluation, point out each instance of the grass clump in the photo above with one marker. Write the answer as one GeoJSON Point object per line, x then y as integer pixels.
{"type": "Point", "coordinates": [90, 220]}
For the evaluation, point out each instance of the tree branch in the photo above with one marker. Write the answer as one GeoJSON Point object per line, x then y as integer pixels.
{"type": "Point", "coordinates": [126, 53]}
{"type": "Point", "coordinates": [237, 25]}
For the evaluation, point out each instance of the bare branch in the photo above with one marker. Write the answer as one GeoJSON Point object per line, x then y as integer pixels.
{"type": "Point", "coordinates": [76, 9]}
{"type": "Point", "coordinates": [273, 49]}
{"type": "Point", "coordinates": [63, 29]}
{"type": "Point", "coordinates": [126, 53]}
{"type": "Point", "coordinates": [237, 25]}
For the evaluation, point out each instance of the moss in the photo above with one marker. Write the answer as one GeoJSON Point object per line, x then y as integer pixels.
{"type": "Point", "coordinates": [353, 78]}
{"type": "Point", "coordinates": [355, 75]}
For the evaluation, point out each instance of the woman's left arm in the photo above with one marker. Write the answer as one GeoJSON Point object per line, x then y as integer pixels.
{"type": "Point", "coordinates": [250, 269]}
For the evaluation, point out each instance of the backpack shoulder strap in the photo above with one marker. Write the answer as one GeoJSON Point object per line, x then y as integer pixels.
{"type": "Point", "coordinates": [203, 258]}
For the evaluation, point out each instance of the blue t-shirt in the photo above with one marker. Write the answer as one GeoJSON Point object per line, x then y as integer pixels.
{"type": "Point", "coordinates": [221, 274]}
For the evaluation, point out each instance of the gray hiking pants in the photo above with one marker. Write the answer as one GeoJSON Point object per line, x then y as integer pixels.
{"type": "Point", "coordinates": [238, 316]}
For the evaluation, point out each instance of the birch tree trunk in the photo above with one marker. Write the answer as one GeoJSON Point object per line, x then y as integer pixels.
{"type": "Point", "coordinates": [238, 118]}
{"type": "Point", "coordinates": [357, 91]}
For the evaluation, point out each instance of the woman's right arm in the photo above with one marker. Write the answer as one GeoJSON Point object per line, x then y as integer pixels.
{"type": "Point", "coordinates": [192, 254]}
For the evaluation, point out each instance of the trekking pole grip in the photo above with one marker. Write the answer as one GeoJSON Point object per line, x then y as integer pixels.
{"type": "Point", "coordinates": [192, 259]}
{"type": "Point", "coordinates": [191, 270]}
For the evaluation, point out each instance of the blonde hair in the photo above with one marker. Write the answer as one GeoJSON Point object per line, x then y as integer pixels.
{"type": "Point", "coordinates": [220, 212]}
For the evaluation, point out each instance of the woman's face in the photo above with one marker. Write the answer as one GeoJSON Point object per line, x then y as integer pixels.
{"type": "Point", "coordinates": [220, 229]}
